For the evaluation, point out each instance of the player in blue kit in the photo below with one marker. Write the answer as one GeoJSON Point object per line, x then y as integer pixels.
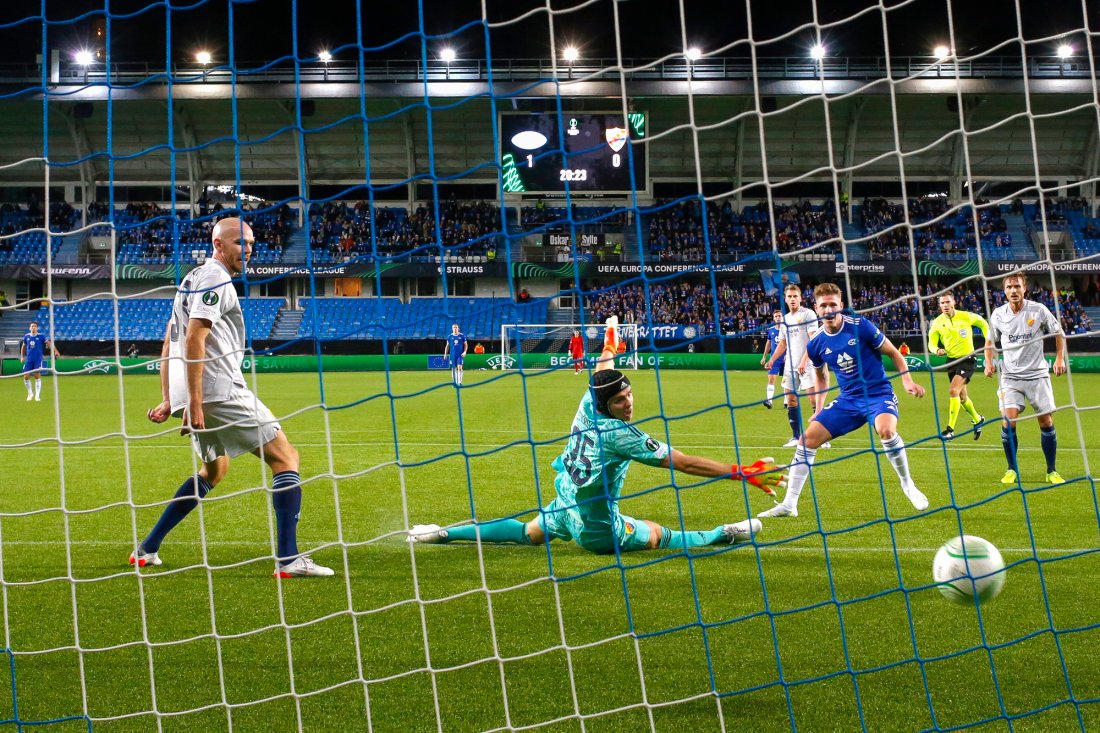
{"type": "Point", "coordinates": [769, 347]}
{"type": "Point", "coordinates": [31, 351]}
{"type": "Point", "coordinates": [590, 476]}
{"type": "Point", "coordinates": [455, 347]}
{"type": "Point", "coordinates": [851, 347]}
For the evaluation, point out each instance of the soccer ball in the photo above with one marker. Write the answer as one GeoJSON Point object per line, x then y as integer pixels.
{"type": "Point", "coordinates": [968, 567]}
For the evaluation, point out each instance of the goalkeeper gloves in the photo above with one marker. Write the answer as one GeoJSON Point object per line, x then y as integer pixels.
{"type": "Point", "coordinates": [611, 336]}
{"type": "Point", "coordinates": [763, 474]}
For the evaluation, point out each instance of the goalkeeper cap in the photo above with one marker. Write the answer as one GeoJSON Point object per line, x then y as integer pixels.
{"type": "Point", "coordinates": [605, 385]}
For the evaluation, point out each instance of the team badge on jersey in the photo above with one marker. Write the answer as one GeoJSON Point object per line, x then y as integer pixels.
{"type": "Point", "coordinates": [210, 298]}
{"type": "Point", "coordinates": [629, 527]}
{"type": "Point", "coordinates": [651, 444]}
{"type": "Point", "coordinates": [1031, 321]}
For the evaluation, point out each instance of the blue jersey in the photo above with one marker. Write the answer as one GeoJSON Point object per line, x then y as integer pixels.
{"type": "Point", "coordinates": [773, 341]}
{"type": "Point", "coordinates": [852, 353]}
{"type": "Point", "coordinates": [773, 337]}
{"type": "Point", "coordinates": [34, 345]}
{"type": "Point", "coordinates": [457, 344]}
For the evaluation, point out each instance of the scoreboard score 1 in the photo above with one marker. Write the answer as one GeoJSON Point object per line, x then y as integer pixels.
{"type": "Point", "coordinates": [598, 154]}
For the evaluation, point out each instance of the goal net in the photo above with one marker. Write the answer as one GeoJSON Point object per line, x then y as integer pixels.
{"type": "Point", "coordinates": [678, 164]}
{"type": "Point", "coordinates": [546, 345]}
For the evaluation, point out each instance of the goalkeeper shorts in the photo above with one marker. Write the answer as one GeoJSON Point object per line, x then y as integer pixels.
{"type": "Point", "coordinates": [599, 529]}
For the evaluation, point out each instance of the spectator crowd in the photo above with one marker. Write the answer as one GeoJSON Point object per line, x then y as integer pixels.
{"type": "Point", "coordinates": [676, 231]}
{"type": "Point", "coordinates": [744, 309]}
{"type": "Point", "coordinates": [937, 234]}
{"type": "Point", "coordinates": [345, 229]}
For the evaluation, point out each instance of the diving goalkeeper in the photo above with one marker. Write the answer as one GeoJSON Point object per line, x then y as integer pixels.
{"type": "Point", "coordinates": [591, 473]}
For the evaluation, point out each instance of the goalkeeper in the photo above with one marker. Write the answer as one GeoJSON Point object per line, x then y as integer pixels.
{"type": "Point", "coordinates": [591, 473]}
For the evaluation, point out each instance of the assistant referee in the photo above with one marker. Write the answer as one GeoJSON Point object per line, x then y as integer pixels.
{"type": "Point", "coordinates": [952, 335]}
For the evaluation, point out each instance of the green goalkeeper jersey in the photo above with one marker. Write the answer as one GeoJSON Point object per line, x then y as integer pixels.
{"type": "Point", "coordinates": [955, 335]}
{"type": "Point", "coordinates": [600, 450]}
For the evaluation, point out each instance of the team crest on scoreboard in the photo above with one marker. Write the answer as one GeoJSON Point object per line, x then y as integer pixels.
{"type": "Point", "coordinates": [616, 137]}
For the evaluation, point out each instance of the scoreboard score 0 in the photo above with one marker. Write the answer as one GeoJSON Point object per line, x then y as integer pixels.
{"type": "Point", "coordinates": [598, 152]}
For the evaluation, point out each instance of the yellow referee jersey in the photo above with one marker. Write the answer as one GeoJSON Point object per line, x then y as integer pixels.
{"type": "Point", "coordinates": [955, 335]}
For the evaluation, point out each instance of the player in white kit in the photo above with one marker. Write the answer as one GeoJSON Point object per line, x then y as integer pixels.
{"type": "Point", "coordinates": [1018, 328]}
{"type": "Point", "coordinates": [202, 383]}
{"type": "Point", "coordinates": [798, 325]}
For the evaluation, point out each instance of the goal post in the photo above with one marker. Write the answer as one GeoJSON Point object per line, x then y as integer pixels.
{"type": "Point", "coordinates": [546, 345]}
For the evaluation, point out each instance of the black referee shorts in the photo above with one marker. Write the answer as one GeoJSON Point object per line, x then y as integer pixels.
{"type": "Point", "coordinates": [964, 368]}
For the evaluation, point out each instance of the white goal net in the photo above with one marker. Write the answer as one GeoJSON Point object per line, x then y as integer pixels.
{"type": "Point", "coordinates": [546, 345]}
{"type": "Point", "coordinates": [669, 162]}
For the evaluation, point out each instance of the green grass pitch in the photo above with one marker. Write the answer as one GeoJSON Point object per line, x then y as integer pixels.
{"type": "Point", "coordinates": [809, 630]}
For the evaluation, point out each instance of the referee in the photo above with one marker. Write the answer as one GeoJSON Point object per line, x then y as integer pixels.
{"type": "Point", "coordinates": [952, 335]}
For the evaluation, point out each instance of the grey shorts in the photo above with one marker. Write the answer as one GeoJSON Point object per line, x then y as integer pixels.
{"type": "Point", "coordinates": [236, 426]}
{"type": "Point", "coordinates": [1020, 393]}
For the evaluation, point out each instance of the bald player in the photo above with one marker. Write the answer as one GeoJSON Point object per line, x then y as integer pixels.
{"type": "Point", "coordinates": [202, 383]}
{"type": "Point", "coordinates": [591, 473]}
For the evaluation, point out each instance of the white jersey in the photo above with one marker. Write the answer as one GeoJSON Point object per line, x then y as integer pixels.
{"type": "Point", "coordinates": [797, 328]}
{"type": "Point", "coordinates": [1019, 336]}
{"type": "Point", "coordinates": [207, 292]}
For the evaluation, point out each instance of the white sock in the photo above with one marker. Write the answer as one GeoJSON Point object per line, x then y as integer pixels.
{"type": "Point", "coordinates": [30, 387]}
{"type": "Point", "coordinates": [800, 471]}
{"type": "Point", "coordinates": [771, 392]}
{"type": "Point", "coordinates": [895, 451]}
{"type": "Point", "coordinates": [460, 372]}
{"type": "Point", "coordinates": [37, 387]}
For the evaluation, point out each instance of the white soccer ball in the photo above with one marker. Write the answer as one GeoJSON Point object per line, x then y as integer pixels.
{"type": "Point", "coordinates": [969, 567]}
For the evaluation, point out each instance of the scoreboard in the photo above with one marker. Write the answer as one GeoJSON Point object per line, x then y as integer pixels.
{"type": "Point", "coordinates": [588, 152]}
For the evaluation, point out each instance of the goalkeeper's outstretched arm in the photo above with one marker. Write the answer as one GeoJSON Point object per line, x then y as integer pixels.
{"type": "Point", "coordinates": [763, 474]}
{"type": "Point", "coordinates": [610, 345]}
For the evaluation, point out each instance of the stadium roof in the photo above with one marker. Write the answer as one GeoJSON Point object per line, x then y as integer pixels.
{"type": "Point", "coordinates": [725, 137]}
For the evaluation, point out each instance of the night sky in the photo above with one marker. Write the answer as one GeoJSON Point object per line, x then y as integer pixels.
{"type": "Point", "coordinates": [264, 30]}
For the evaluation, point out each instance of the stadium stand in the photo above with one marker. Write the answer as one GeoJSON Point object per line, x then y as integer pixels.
{"type": "Point", "coordinates": [950, 238]}
{"type": "Point", "coordinates": [142, 319]}
{"type": "Point", "coordinates": [675, 231]}
{"type": "Point", "coordinates": [146, 233]}
{"type": "Point", "coordinates": [746, 309]}
{"type": "Point", "coordinates": [29, 248]}
{"type": "Point", "coordinates": [422, 318]}
{"type": "Point", "coordinates": [341, 231]}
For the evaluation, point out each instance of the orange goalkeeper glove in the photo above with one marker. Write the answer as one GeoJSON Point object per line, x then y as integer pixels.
{"type": "Point", "coordinates": [611, 339]}
{"type": "Point", "coordinates": [763, 474]}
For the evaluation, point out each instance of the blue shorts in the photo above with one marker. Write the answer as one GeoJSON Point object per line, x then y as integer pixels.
{"type": "Point", "coordinates": [847, 413]}
{"type": "Point", "coordinates": [595, 526]}
{"type": "Point", "coordinates": [32, 367]}
{"type": "Point", "coordinates": [456, 361]}
{"type": "Point", "coordinates": [777, 367]}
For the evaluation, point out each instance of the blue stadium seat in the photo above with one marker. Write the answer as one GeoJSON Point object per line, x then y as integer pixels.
{"type": "Point", "coordinates": [144, 319]}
